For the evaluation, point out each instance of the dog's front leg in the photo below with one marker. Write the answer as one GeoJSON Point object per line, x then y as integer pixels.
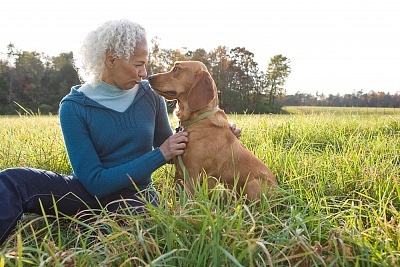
{"type": "Point", "coordinates": [178, 177]}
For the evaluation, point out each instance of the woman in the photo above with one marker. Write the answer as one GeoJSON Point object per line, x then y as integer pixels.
{"type": "Point", "coordinates": [116, 131]}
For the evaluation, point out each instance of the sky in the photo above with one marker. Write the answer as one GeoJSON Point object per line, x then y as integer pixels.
{"type": "Point", "coordinates": [334, 46]}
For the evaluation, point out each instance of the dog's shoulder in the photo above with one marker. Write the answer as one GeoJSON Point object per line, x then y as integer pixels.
{"type": "Point", "coordinates": [220, 119]}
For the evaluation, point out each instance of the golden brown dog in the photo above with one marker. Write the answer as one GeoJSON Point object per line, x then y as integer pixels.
{"type": "Point", "coordinates": [212, 147]}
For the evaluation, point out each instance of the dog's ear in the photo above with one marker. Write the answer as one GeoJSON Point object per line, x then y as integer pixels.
{"type": "Point", "coordinates": [202, 91]}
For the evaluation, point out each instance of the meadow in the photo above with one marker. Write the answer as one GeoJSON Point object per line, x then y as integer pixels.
{"type": "Point", "coordinates": [337, 204]}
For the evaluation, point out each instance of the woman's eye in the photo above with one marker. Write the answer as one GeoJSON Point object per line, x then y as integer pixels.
{"type": "Point", "coordinates": [175, 69]}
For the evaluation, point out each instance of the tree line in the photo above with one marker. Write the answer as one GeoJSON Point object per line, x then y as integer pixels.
{"type": "Point", "coordinates": [37, 82]}
{"type": "Point", "coordinates": [355, 99]}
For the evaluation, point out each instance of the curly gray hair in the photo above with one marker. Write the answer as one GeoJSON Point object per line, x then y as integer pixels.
{"type": "Point", "coordinates": [118, 36]}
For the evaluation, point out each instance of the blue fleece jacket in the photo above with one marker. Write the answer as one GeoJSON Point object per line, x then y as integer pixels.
{"type": "Point", "coordinates": [109, 150]}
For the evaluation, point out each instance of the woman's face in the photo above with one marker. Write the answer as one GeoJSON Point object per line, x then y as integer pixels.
{"type": "Point", "coordinates": [126, 73]}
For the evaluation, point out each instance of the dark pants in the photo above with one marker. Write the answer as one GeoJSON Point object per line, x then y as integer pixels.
{"type": "Point", "coordinates": [27, 190]}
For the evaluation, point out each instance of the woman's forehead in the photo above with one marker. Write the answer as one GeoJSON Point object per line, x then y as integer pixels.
{"type": "Point", "coordinates": [140, 51]}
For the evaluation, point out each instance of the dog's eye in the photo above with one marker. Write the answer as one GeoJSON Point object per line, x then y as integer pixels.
{"type": "Point", "coordinates": [175, 69]}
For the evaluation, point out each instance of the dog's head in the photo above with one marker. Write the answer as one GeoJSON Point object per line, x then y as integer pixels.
{"type": "Point", "coordinates": [189, 82]}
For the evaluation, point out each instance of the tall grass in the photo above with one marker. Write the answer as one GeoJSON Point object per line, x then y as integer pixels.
{"type": "Point", "coordinates": [338, 202]}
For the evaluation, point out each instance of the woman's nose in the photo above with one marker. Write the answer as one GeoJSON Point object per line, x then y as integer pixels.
{"type": "Point", "coordinates": [143, 73]}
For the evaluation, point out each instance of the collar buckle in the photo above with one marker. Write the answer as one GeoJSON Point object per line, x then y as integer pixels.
{"type": "Point", "coordinates": [179, 128]}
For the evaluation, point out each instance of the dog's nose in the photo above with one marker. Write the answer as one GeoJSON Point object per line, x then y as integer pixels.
{"type": "Point", "coordinates": [150, 77]}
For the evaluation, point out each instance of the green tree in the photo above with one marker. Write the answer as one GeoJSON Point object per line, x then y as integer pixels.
{"type": "Point", "coordinates": [277, 71]}
{"type": "Point", "coordinates": [156, 58]}
{"type": "Point", "coordinates": [4, 90]}
{"type": "Point", "coordinates": [60, 76]}
{"type": "Point", "coordinates": [219, 68]}
{"type": "Point", "coordinates": [161, 59]}
{"type": "Point", "coordinates": [244, 80]}
{"type": "Point", "coordinates": [7, 77]}
{"type": "Point", "coordinates": [200, 55]}
{"type": "Point", "coordinates": [29, 70]}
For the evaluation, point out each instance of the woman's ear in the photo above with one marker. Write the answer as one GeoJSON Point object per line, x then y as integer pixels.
{"type": "Point", "coordinates": [110, 60]}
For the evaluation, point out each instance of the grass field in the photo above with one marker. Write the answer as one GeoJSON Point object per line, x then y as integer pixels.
{"type": "Point", "coordinates": [342, 111]}
{"type": "Point", "coordinates": [338, 202]}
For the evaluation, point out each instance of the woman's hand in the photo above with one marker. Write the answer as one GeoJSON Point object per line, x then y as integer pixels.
{"type": "Point", "coordinates": [236, 131]}
{"type": "Point", "coordinates": [175, 145]}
